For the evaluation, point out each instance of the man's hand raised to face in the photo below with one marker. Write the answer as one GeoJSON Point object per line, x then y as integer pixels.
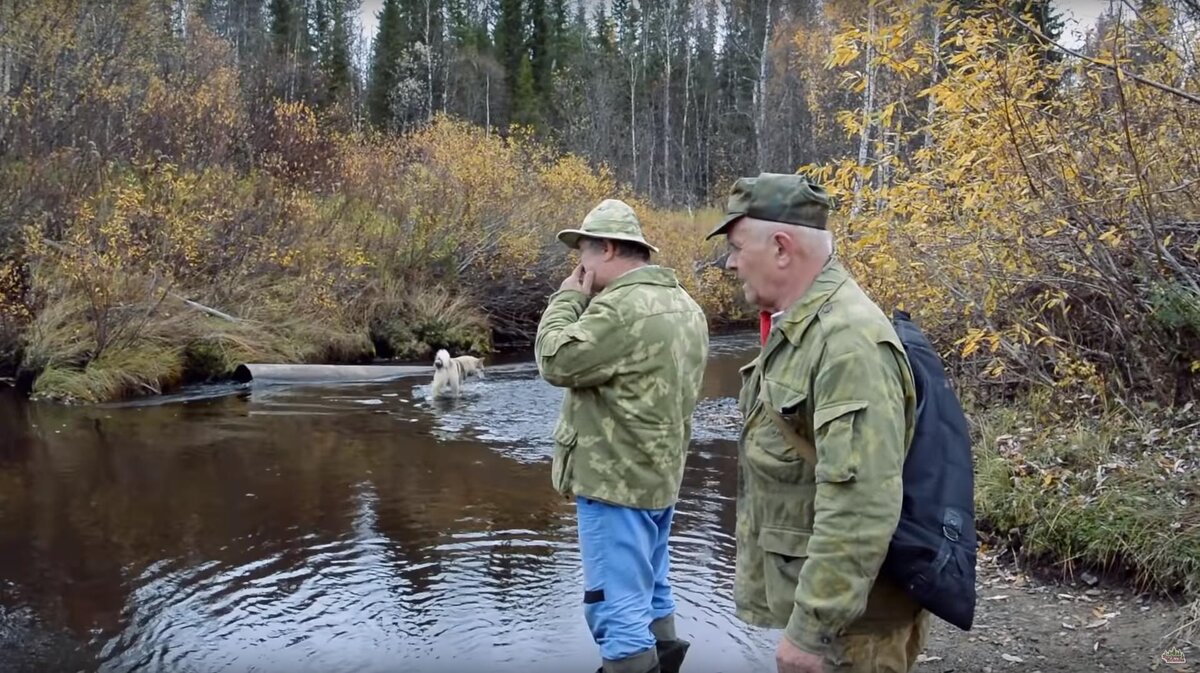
{"type": "Point", "coordinates": [579, 280]}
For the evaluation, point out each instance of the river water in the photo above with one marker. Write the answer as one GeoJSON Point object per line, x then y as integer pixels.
{"type": "Point", "coordinates": [333, 528]}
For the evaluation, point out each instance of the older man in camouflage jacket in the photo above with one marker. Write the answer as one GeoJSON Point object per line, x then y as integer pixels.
{"type": "Point", "coordinates": [829, 412]}
{"type": "Point", "coordinates": [632, 358]}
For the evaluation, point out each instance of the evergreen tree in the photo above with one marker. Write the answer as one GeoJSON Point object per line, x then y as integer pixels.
{"type": "Point", "coordinates": [244, 24]}
{"type": "Point", "coordinates": [561, 29]}
{"type": "Point", "coordinates": [287, 27]}
{"type": "Point", "coordinates": [605, 32]}
{"type": "Point", "coordinates": [459, 24]}
{"type": "Point", "coordinates": [387, 52]}
{"type": "Point", "coordinates": [1046, 20]}
{"type": "Point", "coordinates": [540, 40]}
{"type": "Point", "coordinates": [291, 49]}
{"type": "Point", "coordinates": [512, 53]}
{"type": "Point", "coordinates": [335, 59]}
{"type": "Point", "coordinates": [321, 23]}
{"type": "Point", "coordinates": [525, 99]}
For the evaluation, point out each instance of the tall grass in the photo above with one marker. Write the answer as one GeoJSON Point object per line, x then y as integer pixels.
{"type": "Point", "coordinates": [407, 322]}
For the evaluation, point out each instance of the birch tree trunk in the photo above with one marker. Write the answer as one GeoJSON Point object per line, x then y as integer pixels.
{"type": "Point", "coordinates": [667, 106]}
{"type": "Point", "coordinates": [687, 94]}
{"type": "Point", "coordinates": [937, 66]}
{"type": "Point", "coordinates": [5, 52]}
{"type": "Point", "coordinates": [760, 95]}
{"type": "Point", "coordinates": [868, 114]}
{"type": "Point", "coordinates": [633, 118]}
{"type": "Point", "coordinates": [444, 38]}
{"type": "Point", "coordinates": [881, 167]}
{"type": "Point", "coordinates": [428, 65]}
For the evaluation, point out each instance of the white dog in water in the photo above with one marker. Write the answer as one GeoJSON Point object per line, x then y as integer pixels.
{"type": "Point", "coordinates": [450, 372]}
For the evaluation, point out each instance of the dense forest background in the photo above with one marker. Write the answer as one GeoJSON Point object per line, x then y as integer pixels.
{"type": "Point", "coordinates": [678, 97]}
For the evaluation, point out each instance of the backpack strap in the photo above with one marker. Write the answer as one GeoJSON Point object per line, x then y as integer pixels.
{"type": "Point", "coordinates": [789, 433]}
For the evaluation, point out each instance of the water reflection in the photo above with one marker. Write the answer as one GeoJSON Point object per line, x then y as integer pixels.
{"type": "Point", "coordinates": [356, 528]}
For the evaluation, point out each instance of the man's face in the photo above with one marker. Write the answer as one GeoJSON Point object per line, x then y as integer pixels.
{"type": "Point", "coordinates": [752, 258]}
{"type": "Point", "coordinates": [594, 257]}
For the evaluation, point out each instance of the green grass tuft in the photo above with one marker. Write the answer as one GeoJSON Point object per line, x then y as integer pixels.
{"type": "Point", "coordinates": [1111, 492]}
{"type": "Point", "coordinates": [118, 373]}
{"type": "Point", "coordinates": [415, 323]}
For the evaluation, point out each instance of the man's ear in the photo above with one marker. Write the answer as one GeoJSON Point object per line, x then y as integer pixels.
{"type": "Point", "coordinates": [785, 245]}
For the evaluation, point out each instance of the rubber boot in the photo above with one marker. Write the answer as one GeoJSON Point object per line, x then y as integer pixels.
{"type": "Point", "coordinates": [657, 669]}
{"type": "Point", "coordinates": [643, 662]}
{"type": "Point", "coordinates": [671, 649]}
{"type": "Point", "coordinates": [671, 654]}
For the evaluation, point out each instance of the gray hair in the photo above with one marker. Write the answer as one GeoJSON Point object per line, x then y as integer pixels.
{"type": "Point", "coordinates": [814, 242]}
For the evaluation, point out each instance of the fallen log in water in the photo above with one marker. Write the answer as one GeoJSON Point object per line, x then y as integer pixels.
{"type": "Point", "coordinates": [276, 373]}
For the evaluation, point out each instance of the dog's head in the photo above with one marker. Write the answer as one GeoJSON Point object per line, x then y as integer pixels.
{"type": "Point", "coordinates": [442, 359]}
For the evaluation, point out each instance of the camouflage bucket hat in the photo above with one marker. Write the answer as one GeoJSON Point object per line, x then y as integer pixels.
{"type": "Point", "coordinates": [612, 219]}
{"type": "Point", "coordinates": [778, 197]}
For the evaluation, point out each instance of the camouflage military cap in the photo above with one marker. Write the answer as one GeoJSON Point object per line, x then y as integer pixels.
{"type": "Point", "coordinates": [612, 219]}
{"type": "Point", "coordinates": [778, 197]}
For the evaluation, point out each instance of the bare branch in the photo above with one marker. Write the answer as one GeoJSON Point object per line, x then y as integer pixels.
{"type": "Point", "coordinates": [1137, 164]}
{"type": "Point", "coordinates": [1154, 31]}
{"type": "Point", "coordinates": [205, 309]}
{"type": "Point", "coordinates": [1111, 66]}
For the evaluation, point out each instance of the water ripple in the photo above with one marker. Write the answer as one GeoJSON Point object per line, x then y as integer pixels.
{"type": "Point", "coordinates": [490, 595]}
{"type": "Point", "coordinates": [389, 532]}
{"type": "Point", "coordinates": [516, 416]}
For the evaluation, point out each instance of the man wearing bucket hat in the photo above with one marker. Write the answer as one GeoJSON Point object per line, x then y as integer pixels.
{"type": "Point", "coordinates": [629, 345]}
{"type": "Point", "coordinates": [828, 412]}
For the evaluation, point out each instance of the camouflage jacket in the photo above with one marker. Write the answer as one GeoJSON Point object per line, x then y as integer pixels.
{"type": "Point", "coordinates": [632, 360]}
{"type": "Point", "coordinates": [811, 538]}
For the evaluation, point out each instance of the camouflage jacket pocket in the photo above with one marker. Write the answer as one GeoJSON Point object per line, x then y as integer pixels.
{"type": "Point", "coordinates": [748, 373]}
{"type": "Point", "coordinates": [839, 425]}
{"type": "Point", "coordinates": [790, 406]}
{"type": "Point", "coordinates": [563, 467]}
{"type": "Point", "coordinates": [784, 553]}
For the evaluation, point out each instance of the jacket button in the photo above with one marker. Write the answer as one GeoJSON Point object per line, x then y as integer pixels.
{"type": "Point", "coordinates": [826, 308]}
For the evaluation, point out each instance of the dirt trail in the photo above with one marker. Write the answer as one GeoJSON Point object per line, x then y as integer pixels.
{"type": "Point", "coordinates": [1030, 624]}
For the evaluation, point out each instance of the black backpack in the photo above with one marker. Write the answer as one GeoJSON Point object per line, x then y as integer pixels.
{"type": "Point", "coordinates": [932, 553]}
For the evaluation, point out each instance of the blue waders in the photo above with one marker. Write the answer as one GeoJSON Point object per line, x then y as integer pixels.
{"type": "Point", "coordinates": [627, 599]}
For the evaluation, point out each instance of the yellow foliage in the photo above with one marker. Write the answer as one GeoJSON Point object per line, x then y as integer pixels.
{"type": "Point", "coordinates": [1032, 229]}
{"type": "Point", "coordinates": [12, 308]}
{"type": "Point", "coordinates": [329, 224]}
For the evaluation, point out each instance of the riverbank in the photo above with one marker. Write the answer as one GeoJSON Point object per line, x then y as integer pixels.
{"type": "Point", "coordinates": [1084, 494]}
{"type": "Point", "coordinates": [188, 343]}
{"type": "Point", "coordinates": [339, 247]}
{"type": "Point", "coordinates": [1030, 620]}
{"type": "Point", "coordinates": [199, 345]}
